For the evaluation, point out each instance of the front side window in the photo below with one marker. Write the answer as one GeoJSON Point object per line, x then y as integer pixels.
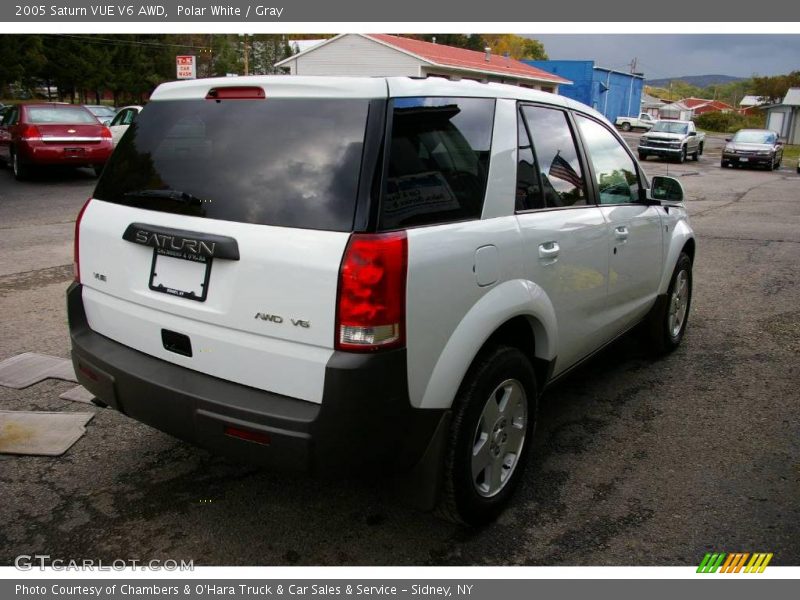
{"type": "Point", "coordinates": [438, 161]}
{"type": "Point", "coordinates": [614, 169]}
{"type": "Point", "coordinates": [557, 157]}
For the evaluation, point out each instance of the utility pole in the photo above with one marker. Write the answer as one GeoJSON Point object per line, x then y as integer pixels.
{"type": "Point", "coordinates": [634, 64]}
{"type": "Point", "coordinates": [246, 57]}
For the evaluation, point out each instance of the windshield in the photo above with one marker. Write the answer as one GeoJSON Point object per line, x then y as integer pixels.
{"type": "Point", "coordinates": [754, 137]}
{"type": "Point", "coordinates": [42, 115]}
{"type": "Point", "coordinates": [667, 127]}
{"type": "Point", "coordinates": [279, 161]}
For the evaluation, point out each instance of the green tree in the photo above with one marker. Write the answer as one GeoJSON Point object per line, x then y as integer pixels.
{"type": "Point", "coordinates": [773, 89]}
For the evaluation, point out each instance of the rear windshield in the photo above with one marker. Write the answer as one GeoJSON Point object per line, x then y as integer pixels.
{"type": "Point", "coordinates": [284, 162]}
{"type": "Point", "coordinates": [41, 115]}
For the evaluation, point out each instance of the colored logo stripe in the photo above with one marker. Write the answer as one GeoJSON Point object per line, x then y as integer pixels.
{"type": "Point", "coordinates": [734, 562]}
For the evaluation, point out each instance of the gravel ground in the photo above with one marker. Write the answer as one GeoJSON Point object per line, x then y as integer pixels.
{"type": "Point", "coordinates": [637, 461]}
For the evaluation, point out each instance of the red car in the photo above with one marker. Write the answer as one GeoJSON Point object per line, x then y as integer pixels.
{"type": "Point", "coordinates": [33, 135]}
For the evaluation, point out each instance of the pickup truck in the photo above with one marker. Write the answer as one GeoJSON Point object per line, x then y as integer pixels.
{"type": "Point", "coordinates": [672, 139]}
{"type": "Point", "coordinates": [643, 121]}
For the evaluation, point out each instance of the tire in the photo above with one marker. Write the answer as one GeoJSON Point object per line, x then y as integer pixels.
{"type": "Point", "coordinates": [696, 155]}
{"type": "Point", "coordinates": [682, 156]}
{"type": "Point", "coordinates": [666, 324]}
{"type": "Point", "coordinates": [21, 170]}
{"type": "Point", "coordinates": [642, 156]}
{"type": "Point", "coordinates": [626, 126]}
{"type": "Point", "coordinates": [495, 413]}
{"type": "Point", "coordinates": [777, 165]}
{"type": "Point", "coordinates": [723, 164]}
{"type": "Point", "coordinates": [700, 149]}
{"type": "Point", "coordinates": [97, 170]}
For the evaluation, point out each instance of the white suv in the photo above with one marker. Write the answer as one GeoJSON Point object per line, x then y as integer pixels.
{"type": "Point", "coordinates": [327, 274]}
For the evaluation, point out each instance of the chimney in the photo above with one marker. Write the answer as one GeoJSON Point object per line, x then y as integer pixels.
{"type": "Point", "coordinates": [488, 53]}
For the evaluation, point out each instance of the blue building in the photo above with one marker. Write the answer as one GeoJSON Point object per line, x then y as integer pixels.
{"type": "Point", "coordinates": [613, 93]}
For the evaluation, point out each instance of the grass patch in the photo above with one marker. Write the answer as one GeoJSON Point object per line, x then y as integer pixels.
{"type": "Point", "coordinates": [791, 152]}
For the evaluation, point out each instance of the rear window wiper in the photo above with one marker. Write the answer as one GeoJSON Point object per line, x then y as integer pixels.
{"type": "Point", "coordinates": [174, 195]}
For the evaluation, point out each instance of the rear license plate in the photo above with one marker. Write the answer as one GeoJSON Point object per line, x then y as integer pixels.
{"type": "Point", "coordinates": [74, 151]}
{"type": "Point", "coordinates": [182, 277]}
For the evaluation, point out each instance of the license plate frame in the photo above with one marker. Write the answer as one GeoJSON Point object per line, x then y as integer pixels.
{"type": "Point", "coordinates": [166, 265]}
{"type": "Point", "coordinates": [744, 159]}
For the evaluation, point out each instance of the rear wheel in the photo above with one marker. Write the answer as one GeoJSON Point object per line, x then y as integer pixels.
{"type": "Point", "coordinates": [700, 149]}
{"type": "Point", "coordinates": [493, 421]}
{"type": "Point", "coordinates": [97, 169]}
{"type": "Point", "coordinates": [667, 323]}
{"type": "Point", "coordinates": [626, 126]}
{"type": "Point", "coordinates": [19, 167]}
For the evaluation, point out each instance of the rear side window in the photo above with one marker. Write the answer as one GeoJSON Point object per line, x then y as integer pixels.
{"type": "Point", "coordinates": [562, 182]}
{"type": "Point", "coordinates": [42, 115]}
{"type": "Point", "coordinates": [278, 161]}
{"type": "Point", "coordinates": [438, 161]}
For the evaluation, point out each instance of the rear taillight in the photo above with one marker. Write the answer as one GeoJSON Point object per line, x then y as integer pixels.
{"type": "Point", "coordinates": [76, 253]}
{"type": "Point", "coordinates": [31, 133]}
{"type": "Point", "coordinates": [105, 133]}
{"type": "Point", "coordinates": [371, 306]}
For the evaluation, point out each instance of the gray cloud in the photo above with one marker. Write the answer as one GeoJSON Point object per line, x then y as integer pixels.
{"type": "Point", "coordinates": [672, 55]}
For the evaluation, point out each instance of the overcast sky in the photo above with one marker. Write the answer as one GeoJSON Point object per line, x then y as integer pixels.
{"type": "Point", "coordinates": [675, 55]}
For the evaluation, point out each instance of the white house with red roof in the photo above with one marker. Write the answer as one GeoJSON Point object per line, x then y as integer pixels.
{"type": "Point", "coordinates": [381, 55]}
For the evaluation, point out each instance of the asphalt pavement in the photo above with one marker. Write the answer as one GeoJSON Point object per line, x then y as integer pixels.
{"type": "Point", "coordinates": [637, 461]}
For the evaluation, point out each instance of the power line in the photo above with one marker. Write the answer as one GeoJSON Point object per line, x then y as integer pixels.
{"type": "Point", "coordinates": [122, 42]}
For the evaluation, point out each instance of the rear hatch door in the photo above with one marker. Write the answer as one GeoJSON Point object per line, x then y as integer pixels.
{"type": "Point", "coordinates": [221, 225]}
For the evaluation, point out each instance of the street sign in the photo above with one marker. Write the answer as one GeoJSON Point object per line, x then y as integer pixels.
{"type": "Point", "coordinates": [186, 66]}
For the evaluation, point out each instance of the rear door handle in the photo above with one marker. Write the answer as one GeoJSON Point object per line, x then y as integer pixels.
{"type": "Point", "coordinates": [621, 233]}
{"type": "Point", "coordinates": [549, 250]}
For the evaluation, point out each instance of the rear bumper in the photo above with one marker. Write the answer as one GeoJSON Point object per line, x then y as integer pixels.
{"type": "Point", "coordinates": [56, 154]}
{"type": "Point", "coordinates": [364, 420]}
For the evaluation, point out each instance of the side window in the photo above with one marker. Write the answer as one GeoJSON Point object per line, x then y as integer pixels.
{"type": "Point", "coordinates": [438, 161]}
{"type": "Point", "coordinates": [121, 118]}
{"type": "Point", "coordinates": [529, 190]}
{"type": "Point", "coordinates": [557, 157]}
{"type": "Point", "coordinates": [12, 117]}
{"type": "Point", "coordinates": [614, 168]}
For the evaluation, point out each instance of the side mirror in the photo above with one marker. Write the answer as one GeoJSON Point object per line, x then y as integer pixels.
{"type": "Point", "coordinates": [727, 139]}
{"type": "Point", "coordinates": [666, 189]}
{"type": "Point", "coordinates": [692, 133]}
{"type": "Point", "coordinates": [779, 143]}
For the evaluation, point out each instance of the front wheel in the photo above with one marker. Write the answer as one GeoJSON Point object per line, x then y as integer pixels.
{"type": "Point", "coordinates": [642, 156]}
{"type": "Point", "coordinates": [626, 126]}
{"type": "Point", "coordinates": [667, 321]}
{"type": "Point", "coordinates": [493, 421]}
{"type": "Point", "coordinates": [682, 156]}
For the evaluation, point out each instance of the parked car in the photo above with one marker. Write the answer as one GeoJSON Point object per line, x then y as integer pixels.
{"type": "Point", "coordinates": [123, 119]}
{"type": "Point", "coordinates": [350, 275]}
{"type": "Point", "coordinates": [643, 121]}
{"type": "Point", "coordinates": [672, 139]}
{"type": "Point", "coordinates": [103, 113]}
{"type": "Point", "coordinates": [753, 147]}
{"type": "Point", "coordinates": [48, 134]}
